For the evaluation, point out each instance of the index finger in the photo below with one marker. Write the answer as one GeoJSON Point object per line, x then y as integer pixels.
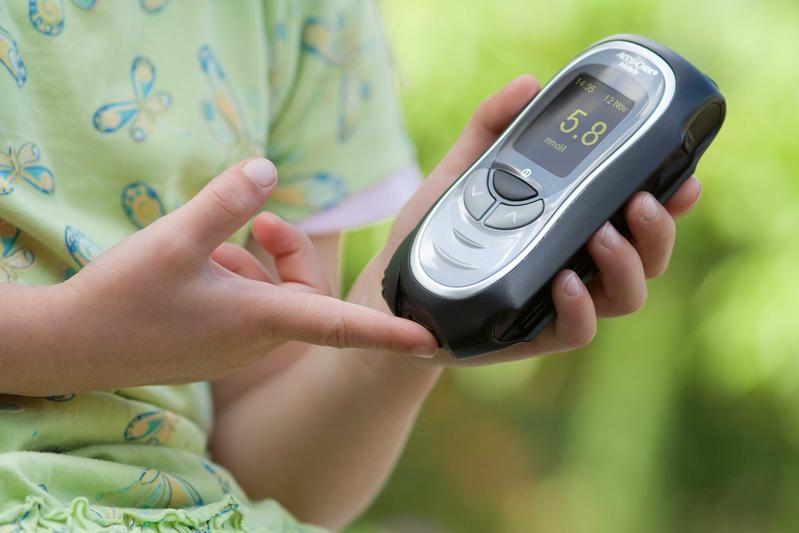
{"type": "Point", "coordinates": [327, 321]}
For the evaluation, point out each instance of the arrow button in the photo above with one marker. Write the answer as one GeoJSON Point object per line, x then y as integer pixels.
{"type": "Point", "coordinates": [476, 196]}
{"type": "Point", "coordinates": [514, 216]}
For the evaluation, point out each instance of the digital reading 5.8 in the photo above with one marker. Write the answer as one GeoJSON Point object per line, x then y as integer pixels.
{"type": "Point", "coordinates": [573, 124]}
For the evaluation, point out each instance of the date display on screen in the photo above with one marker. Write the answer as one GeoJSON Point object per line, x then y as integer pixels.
{"type": "Point", "coordinates": [573, 124]}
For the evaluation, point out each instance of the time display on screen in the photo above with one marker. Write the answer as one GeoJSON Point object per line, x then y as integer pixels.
{"type": "Point", "coordinates": [575, 122]}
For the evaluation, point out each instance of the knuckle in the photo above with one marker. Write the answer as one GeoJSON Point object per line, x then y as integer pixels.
{"type": "Point", "coordinates": [305, 244]}
{"type": "Point", "coordinates": [481, 113]}
{"type": "Point", "coordinates": [483, 105]}
{"type": "Point", "coordinates": [671, 224]}
{"type": "Point", "coordinates": [483, 109]}
{"type": "Point", "coordinates": [671, 234]}
{"type": "Point", "coordinates": [664, 229]}
{"type": "Point", "coordinates": [263, 328]}
{"type": "Point", "coordinates": [226, 201]}
{"type": "Point", "coordinates": [660, 250]}
{"type": "Point", "coordinates": [653, 271]}
{"type": "Point", "coordinates": [635, 303]}
{"type": "Point", "coordinates": [582, 336]}
{"type": "Point", "coordinates": [172, 249]}
{"type": "Point", "coordinates": [632, 207]}
{"type": "Point", "coordinates": [336, 332]}
{"type": "Point", "coordinates": [586, 336]}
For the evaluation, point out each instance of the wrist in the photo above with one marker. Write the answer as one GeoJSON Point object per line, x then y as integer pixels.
{"type": "Point", "coordinates": [35, 348]}
{"type": "Point", "coordinates": [392, 375]}
{"type": "Point", "coordinates": [367, 291]}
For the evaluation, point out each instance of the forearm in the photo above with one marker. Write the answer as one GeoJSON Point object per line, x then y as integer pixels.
{"type": "Point", "coordinates": [51, 344]}
{"type": "Point", "coordinates": [31, 342]}
{"type": "Point", "coordinates": [323, 436]}
{"type": "Point", "coordinates": [70, 338]}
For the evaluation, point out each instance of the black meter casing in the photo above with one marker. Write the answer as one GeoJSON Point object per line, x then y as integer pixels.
{"type": "Point", "coordinates": [627, 115]}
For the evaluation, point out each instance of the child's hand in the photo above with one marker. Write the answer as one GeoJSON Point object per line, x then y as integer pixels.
{"type": "Point", "coordinates": [624, 265]}
{"type": "Point", "coordinates": [157, 309]}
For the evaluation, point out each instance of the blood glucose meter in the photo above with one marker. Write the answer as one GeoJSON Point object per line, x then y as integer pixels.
{"type": "Point", "coordinates": [626, 115]}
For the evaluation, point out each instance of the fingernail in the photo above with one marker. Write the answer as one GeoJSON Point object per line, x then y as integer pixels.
{"type": "Point", "coordinates": [610, 237]}
{"type": "Point", "coordinates": [649, 208]}
{"type": "Point", "coordinates": [698, 185]}
{"type": "Point", "coordinates": [572, 286]}
{"type": "Point", "coordinates": [261, 171]}
{"type": "Point", "coordinates": [425, 351]}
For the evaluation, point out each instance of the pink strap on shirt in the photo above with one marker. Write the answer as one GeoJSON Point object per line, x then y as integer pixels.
{"type": "Point", "coordinates": [379, 201]}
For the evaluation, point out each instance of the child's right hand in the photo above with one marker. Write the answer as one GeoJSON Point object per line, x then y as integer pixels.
{"type": "Point", "coordinates": [157, 309]}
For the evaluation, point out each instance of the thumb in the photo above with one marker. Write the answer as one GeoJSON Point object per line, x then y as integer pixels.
{"type": "Point", "coordinates": [328, 321]}
{"type": "Point", "coordinates": [490, 118]}
{"type": "Point", "coordinates": [223, 206]}
{"type": "Point", "coordinates": [488, 121]}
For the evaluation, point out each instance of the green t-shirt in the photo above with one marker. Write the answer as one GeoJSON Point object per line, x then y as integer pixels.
{"type": "Point", "coordinates": [113, 113]}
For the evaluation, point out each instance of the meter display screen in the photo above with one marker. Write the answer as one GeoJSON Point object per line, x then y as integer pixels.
{"type": "Point", "coordinates": [573, 124]}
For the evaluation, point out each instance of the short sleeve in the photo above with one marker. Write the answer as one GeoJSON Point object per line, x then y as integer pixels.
{"type": "Point", "coordinates": [336, 123]}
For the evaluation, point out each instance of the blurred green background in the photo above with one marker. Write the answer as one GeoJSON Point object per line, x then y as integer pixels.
{"type": "Point", "coordinates": [684, 416]}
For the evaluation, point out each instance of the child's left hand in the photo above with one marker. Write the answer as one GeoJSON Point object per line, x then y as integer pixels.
{"type": "Point", "coordinates": [624, 265]}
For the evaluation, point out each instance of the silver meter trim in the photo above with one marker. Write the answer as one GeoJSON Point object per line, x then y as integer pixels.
{"type": "Point", "coordinates": [551, 216]}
